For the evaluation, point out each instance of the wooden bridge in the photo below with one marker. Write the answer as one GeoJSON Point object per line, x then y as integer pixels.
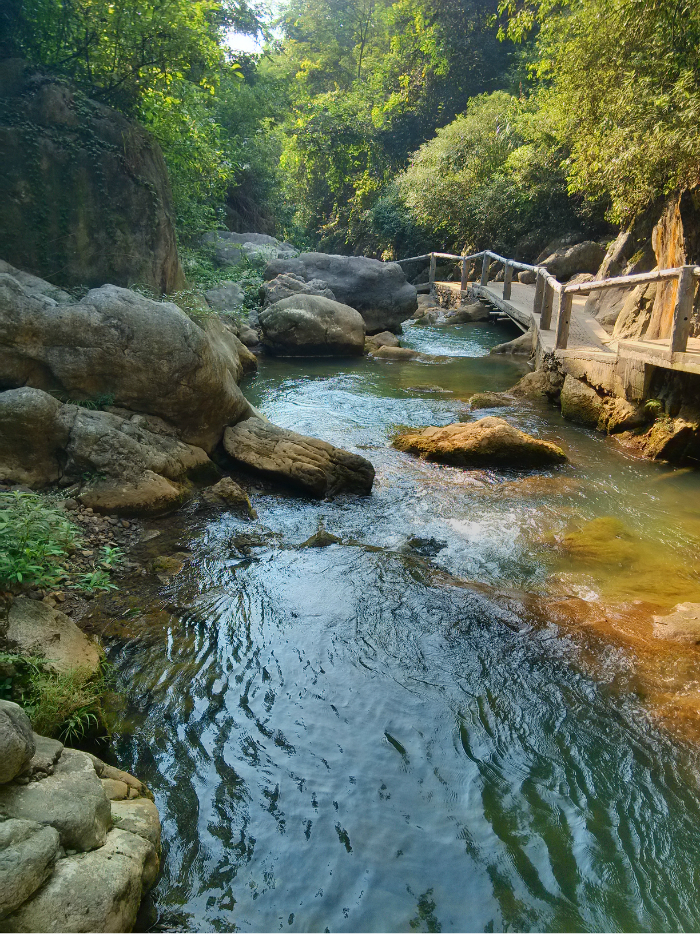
{"type": "Point", "coordinates": [556, 310]}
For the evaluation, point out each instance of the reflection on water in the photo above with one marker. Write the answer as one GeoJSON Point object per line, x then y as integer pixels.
{"type": "Point", "coordinates": [356, 737]}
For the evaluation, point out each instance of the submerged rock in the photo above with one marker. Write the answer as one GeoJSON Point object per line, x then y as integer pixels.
{"type": "Point", "coordinates": [466, 314]}
{"type": "Point", "coordinates": [383, 339]}
{"type": "Point", "coordinates": [581, 403]}
{"type": "Point", "coordinates": [490, 400]}
{"type": "Point", "coordinates": [681, 625]}
{"type": "Point", "coordinates": [386, 352]}
{"type": "Point", "coordinates": [321, 539]}
{"type": "Point", "coordinates": [542, 383]}
{"type": "Point", "coordinates": [489, 442]}
{"type": "Point", "coordinates": [314, 466]}
{"type": "Point", "coordinates": [312, 326]}
{"type": "Point", "coordinates": [520, 346]}
{"type": "Point", "coordinates": [229, 492]}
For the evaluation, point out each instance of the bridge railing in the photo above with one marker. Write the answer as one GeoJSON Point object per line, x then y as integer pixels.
{"type": "Point", "coordinates": [547, 286]}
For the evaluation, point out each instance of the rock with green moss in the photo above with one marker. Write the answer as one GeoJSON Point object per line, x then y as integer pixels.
{"type": "Point", "coordinates": [84, 192]}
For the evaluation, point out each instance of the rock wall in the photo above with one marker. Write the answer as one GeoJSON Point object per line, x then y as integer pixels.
{"type": "Point", "coordinates": [84, 193]}
{"type": "Point", "coordinates": [676, 242]}
{"type": "Point", "coordinates": [79, 839]}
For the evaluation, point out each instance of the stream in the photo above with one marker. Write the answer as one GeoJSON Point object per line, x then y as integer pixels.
{"type": "Point", "coordinates": [424, 726]}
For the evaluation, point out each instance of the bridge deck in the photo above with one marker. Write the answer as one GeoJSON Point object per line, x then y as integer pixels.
{"type": "Point", "coordinates": [587, 338]}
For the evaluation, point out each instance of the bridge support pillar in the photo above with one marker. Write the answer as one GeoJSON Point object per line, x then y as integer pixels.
{"type": "Point", "coordinates": [507, 281]}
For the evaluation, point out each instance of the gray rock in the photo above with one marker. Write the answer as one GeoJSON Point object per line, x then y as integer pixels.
{"type": "Point", "coordinates": [92, 892]}
{"type": "Point", "coordinates": [383, 339]}
{"type": "Point", "coordinates": [317, 468]}
{"type": "Point", "coordinates": [43, 441]}
{"type": "Point", "coordinates": [490, 400]}
{"type": "Point", "coordinates": [17, 744]}
{"type": "Point", "coordinates": [520, 346]}
{"type": "Point", "coordinates": [580, 403]}
{"type": "Point", "coordinates": [543, 383]}
{"type": "Point", "coordinates": [583, 257]}
{"type": "Point", "coordinates": [229, 492]}
{"type": "Point", "coordinates": [527, 276]}
{"type": "Point", "coordinates": [634, 317]}
{"type": "Point", "coordinates": [71, 800]}
{"type": "Point", "coordinates": [34, 628]}
{"type": "Point", "coordinates": [33, 285]}
{"type": "Point", "coordinates": [379, 291]}
{"type": "Point", "coordinates": [149, 356]}
{"type": "Point", "coordinates": [287, 284]}
{"type": "Point", "coordinates": [28, 853]}
{"type": "Point", "coordinates": [98, 180]}
{"type": "Point", "coordinates": [248, 336]}
{"type": "Point", "coordinates": [139, 816]}
{"type": "Point", "coordinates": [43, 762]}
{"type": "Point", "coordinates": [467, 314]}
{"type": "Point", "coordinates": [225, 297]}
{"type": "Point", "coordinates": [312, 326]}
{"type": "Point", "coordinates": [231, 248]}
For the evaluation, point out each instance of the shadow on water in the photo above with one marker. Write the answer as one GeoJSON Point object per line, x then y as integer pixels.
{"type": "Point", "coordinates": [356, 738]}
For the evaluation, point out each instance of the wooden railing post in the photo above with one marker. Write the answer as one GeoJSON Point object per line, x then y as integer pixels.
{"type": "Point", "coordinates": [566, 300]}
{"type": "Point", "coordinates": [433, 264]}
{"type": "Point", "coordinates": [507, 281]}
{"type": "Point", "coordinates": [547, 304]}
{"type": "Point", "coordinates": [539, 292]}
{"type": "Point", "coordinates": [485, 263]}
{"type": "Point", "coordinates": [465, 274]}
{"type": "Point", "coordinates": [683, 311]}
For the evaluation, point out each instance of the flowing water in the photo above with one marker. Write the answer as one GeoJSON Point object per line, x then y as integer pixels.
{"type": "Point", "coordinates": [403, 730]}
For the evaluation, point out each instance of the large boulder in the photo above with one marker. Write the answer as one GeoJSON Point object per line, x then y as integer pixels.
{"type": "Point", "coordinates": [71, 800]}
{"type": "Point", "coordinates": [17, 746]}
{"type": "Point", "coordinates": [121, 464]}
{"type": "Point", "coordinates": [33, 285]}
{"type": "Point", "coordinates": [84, 191]}
{"type": "Point", "coordinates": [379, 291]}
{"type": "Point", "coordinates": [225, 297]}
{"type": "Point", "coordinates": [28, 854]}
{"type": "Point", "coordinates": [36, 629]}
{"type": "Point", "coordinates": [229, 249]}
{"type": "Point", "coordinates": [316, 467]}
{"type": "Point", "coordinates": [581, 403]}
{"type": "Point", "coordinates": [488, 442]}
{"type": "Point", "coordinates": [523, 345]}
{"type": "Point", "coordinates": [569, 261]}
{"type": "Point", "coordinates": [145, 356]}
{"type": "Point", "coordinates": [312, 326]}
{"type": "Point", "coordinates": [287, 284]}
{"type": "Point", "coordinates": [92, 892]}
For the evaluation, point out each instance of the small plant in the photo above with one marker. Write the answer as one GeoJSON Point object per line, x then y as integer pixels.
{"type": "Point", "coordinates": [34, 537]}
{"type": "Point", "coordinates": [94, 581]}
{"type": "Point", "coordinates": [67, 705]}
{"type": "Point", "coordinates": [111, 557]}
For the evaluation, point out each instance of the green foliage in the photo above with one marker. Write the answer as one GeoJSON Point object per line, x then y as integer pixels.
{"type": "Point", "coordinates": [620, 83]}
{"type": "Point", "coordinates": [34, 538]}
{"type": "Point", "coordinates": [67, 705]}
{"type": "Point", "coordinates": [489, 177]}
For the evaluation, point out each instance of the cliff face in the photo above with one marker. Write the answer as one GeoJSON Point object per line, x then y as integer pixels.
{"type": "Point", "coordinates": [676, 242]}
{"type": "Point", "coordinates": [84, 192]}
